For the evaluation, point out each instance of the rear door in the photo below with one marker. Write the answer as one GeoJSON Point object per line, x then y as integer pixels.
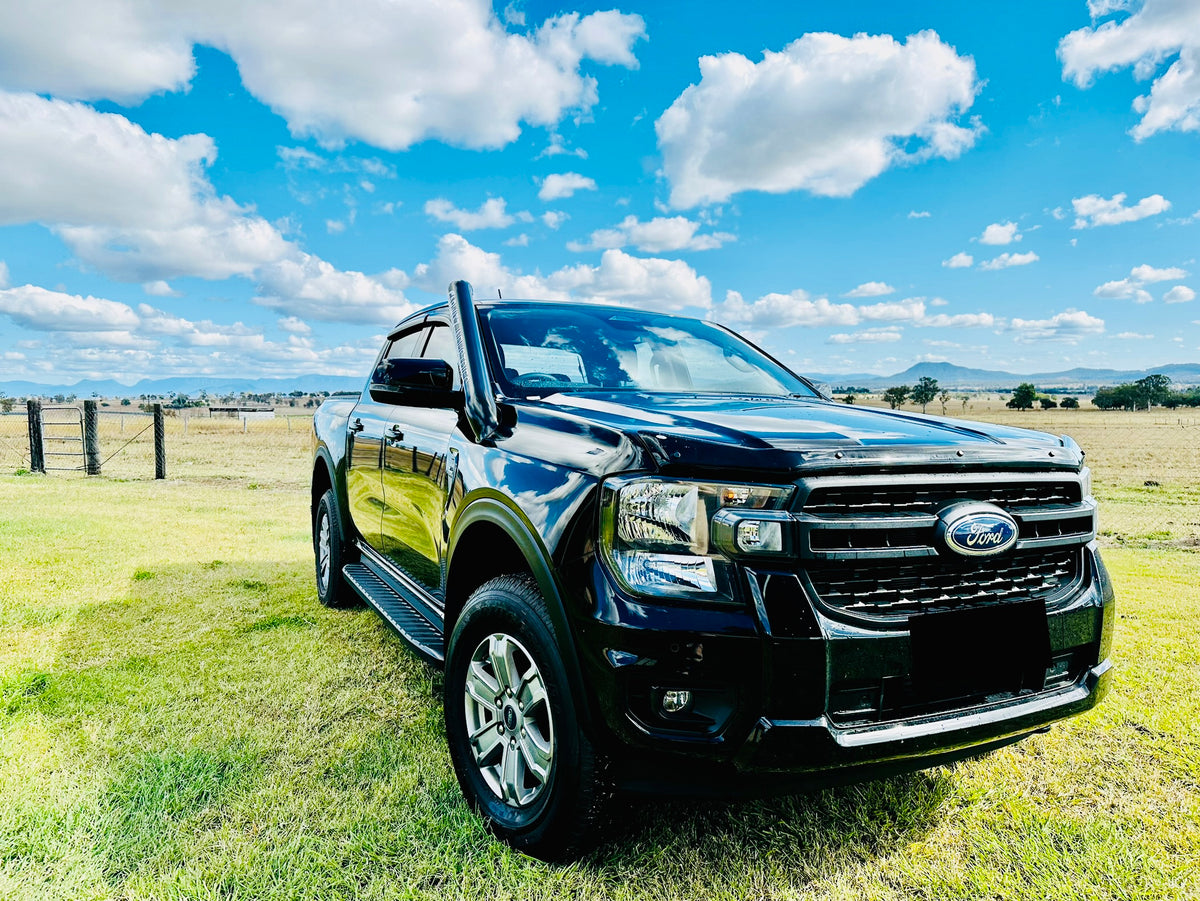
{"type": "Point", "coordinates": [418, 468]}
{"type": "Point", "coordinates": [365, 446]}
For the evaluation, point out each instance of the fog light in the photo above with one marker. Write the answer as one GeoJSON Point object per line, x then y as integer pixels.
{"type": "Point", "coordinates": [758, 535]}
{"type": "Point", "coordinates": [676, 700]}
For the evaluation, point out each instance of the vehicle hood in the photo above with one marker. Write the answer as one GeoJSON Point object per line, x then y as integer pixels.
{"type": "Point", "coordinates": [785, 431]}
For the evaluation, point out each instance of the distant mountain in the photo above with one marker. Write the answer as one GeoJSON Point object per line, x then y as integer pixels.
{"type": "Point", "coordinates": [190, 385]}
{"type": "Point", "coordinates": [948, 375]}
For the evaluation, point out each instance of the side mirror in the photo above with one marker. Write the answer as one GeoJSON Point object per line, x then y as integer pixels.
{"type": "Point", "coordinates": [415, 382]}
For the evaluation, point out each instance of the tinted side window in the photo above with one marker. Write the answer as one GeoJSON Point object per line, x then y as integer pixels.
{"type": "Point", "coordinates": [441, 347]}
{"type": "Point", "coordinates": [408, 345]}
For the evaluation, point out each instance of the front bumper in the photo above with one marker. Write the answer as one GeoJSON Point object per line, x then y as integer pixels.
{"type": "Point", "coordinates": [829, 702]}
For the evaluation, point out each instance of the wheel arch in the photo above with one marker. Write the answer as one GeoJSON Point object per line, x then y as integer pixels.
{"type": "Point", "coordinates": [491, 539]}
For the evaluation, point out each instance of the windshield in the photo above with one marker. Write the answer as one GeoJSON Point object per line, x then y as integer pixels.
{"type": "Point", "coordinates": [545, 348]}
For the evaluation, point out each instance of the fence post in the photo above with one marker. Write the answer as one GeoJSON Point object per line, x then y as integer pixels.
{"type": "Point", "coordinates": [160, 443]}
{"type": "Point", "coordinates": [37, 454]}
{"type": "Point", "coordinates": [91, 439]}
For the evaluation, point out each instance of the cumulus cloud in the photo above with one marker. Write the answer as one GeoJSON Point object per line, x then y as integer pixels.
{"type": "Point", "coordinates": [1156, 31]}
{"type": "Point", "coordinates": [1179, 294]}
{"type": "Point", "coordinates": [1133, 287]}
{"type": "Point", "coordinates": [659, 235]}
{"type": "Point", "coordinates": [959, 320]}
{"type": "Point", "coordinates": [564, 184]}
{"type": "Point", "coordinates": [390, 74]}
{"type": "Point", "coordinates": [1070, 327]}
{"type": "Point", "coordinates": [159, 288]}
{"type": "Point", "coordinates": [554, 218]}
{"type": "Point", "coordinates": [308, 287]}
{"type": "Point", "coordinates": [919, 214]}
{"type": "Point", "coordinates": [491, 214]}
{"type": "Point", "coordinates": [871, 289]}
{"type": "Point", "coordinates": [3, 274]}
{"type": "Point", "coordinates": [645, 282]}
{"type": "Point", "coordinates": [959, 261]}
{"type": "Point", "coordinates": [800, 308]}
{"type": "Point", "coordinates": [1000, 233]}
{"type": "Point", "coordinates": [1092, 209]}
{"type": "Point", "coordinates": [1007, 260]}
{"type": "Point", "coordinates": [53, 311]}
{"type": "Point", "coordinates": [825, 115]}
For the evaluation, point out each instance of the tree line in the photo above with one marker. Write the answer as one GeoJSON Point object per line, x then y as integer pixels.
{"type": "Point", "coordinates": [1152, 391]}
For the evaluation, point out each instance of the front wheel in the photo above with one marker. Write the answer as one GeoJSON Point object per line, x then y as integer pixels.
{"type": "Point", "coordinates": [331, 553]}
{"type": "Point", "coordinates": [520, 756]}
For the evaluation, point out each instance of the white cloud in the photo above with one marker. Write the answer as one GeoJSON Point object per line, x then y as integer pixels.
{"type": "Point", "coordinates": [659, 235]}
{"type": "Point", "coordinates": [1007, 260]}
{"type": "Point", "coordinates": [959, 261]}
{"type": "Point", "coordinates": [871, 289]}
{"type": "Point", "coordinates": [799, 308]}
{"type": "Point", "coordinates": [3, 275]}
{"type": "Point", "coordinates": [159, 289]}
{"type": "Point", "coordinates": [53, 311]}
{"type": "Point", "coordinates": [1000, 233]}
{"type": "Point", "coordinates": [335, 226]}
{"type": "Point", "coordinates": [1156, 31]}
{"type": "Point", "coordinates": [1148, 274]}
{"type": "Point", "coordinates": [1133, 288]}
{"type": "Point", "coordinates": [554, 218]}
{"type": "Point", "coordinates": [919, 214]}
{"type": "Point", "coordinates": [867, 336]}
{"type": "Point", "coordinates": [825, 115]}
{"type": "Point", "coordinates": [1123, 289]}
{"type": "Point", "coordinates": [308, 287]}
{"type": "Point", "coordinates": [959, 320]}
{"type": "Point", "coordinates": [294, 325]}
{"type": "Point", "coordinates": [1135, 336]}
{"type": "Point", "coordinates": [1093, 210]}
{"type": "Point", "coordinates": [648, 283]}
{"type": "Point", "coordinates": [564, 184]}
{"type": "Point", "coordinates": [521, 240]}
{"type": "Point", "coordinates": [1179, 294]}
{"type": "Point", "coordinates": [389, 74]}
{"type": "Point", "coordinates": [1071, 327]}
{"type": "Point", "coordinates": [491, 214]}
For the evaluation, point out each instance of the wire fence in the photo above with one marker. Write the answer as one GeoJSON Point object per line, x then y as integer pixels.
{"type": "Point", "coordinates": [1145, 465]}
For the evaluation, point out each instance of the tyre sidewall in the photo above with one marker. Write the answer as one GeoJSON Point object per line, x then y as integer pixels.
{"type": "Point", "coordinates": [333, 593]}
{"type": "Point", "coordinates": [498, 608]}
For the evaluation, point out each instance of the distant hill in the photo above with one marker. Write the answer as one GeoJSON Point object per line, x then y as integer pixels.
{"type": "Point", "coordinates": [948, 375]}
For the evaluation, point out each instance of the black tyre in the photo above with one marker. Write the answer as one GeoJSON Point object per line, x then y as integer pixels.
{"type": "Point", "coordinates": [332, 553]}
{"type": "Point", "coordinates": [512, 724]}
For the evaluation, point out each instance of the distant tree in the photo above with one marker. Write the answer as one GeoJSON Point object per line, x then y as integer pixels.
{"type": "Point", "coordinates": [944, 398]}
{"type": "Point", "coordinates": [848, 399]}
{"type": "Point", "coordinates": [1048, 403]}
{"type": "Point", "coordinates": [1070, 403]}
{"type": "Point", "coordinates": [1023, 398]}
{"type": "Point", "coordinates": [925, 390]}
{"type": "Point", "coordinates": [1153, 389]}
{"type": "Point", "coordinates": [896, 395]}
{"type": "Point", "coordinates": [965, 399]}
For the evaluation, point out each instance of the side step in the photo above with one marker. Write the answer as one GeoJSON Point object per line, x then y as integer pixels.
{"type": "Point", "coordinates": [424, 637]}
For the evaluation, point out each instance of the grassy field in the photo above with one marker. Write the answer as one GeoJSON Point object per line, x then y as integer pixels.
{"type": "Point", "coordinates": [179, 718]}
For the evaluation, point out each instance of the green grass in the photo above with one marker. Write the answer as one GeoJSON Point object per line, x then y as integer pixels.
{"type": "Point", "coordinates": [179, 718]}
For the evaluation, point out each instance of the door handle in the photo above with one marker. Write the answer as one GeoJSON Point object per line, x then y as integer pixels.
{"type": "Point", "coordinates": [356, 426]}
{"type": "Point", "coordinates": [394, 433]}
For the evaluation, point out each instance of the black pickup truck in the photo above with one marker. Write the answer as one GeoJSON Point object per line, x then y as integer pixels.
{"type": "Point", "coordinates": [652, 558]}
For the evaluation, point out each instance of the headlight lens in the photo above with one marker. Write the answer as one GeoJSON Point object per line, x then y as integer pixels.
{"type": "Point", "coordinates": [655, 533]}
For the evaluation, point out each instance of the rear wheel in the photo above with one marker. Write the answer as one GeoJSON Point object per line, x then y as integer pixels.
{"type": "Point", "coordinates": [331, 552]}
{"type": "Point", "coordinates": [520, 756]}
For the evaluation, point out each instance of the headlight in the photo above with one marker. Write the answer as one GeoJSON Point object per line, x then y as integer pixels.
{"type": "Point", "coordinates": [658, 534]}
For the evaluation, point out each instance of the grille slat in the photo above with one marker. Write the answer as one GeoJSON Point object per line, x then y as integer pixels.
{"type": "Point", "coordinates": [859, 500]}
{"type": "Point", "coordinates": [896, 589]}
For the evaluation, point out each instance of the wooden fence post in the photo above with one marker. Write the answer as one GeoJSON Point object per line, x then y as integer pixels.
{"type": "Point", "coordinates": [160, 443]}
{"type": "Point", "coordinates": [37, 453]}
{"type": "Point", "coordinates": [91, 438]}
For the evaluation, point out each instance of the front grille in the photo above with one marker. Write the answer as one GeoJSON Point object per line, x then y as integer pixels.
{"type": "Point", "coordinates": [869, 545]}
{"type": "Point", "coordinates": [897, 589]}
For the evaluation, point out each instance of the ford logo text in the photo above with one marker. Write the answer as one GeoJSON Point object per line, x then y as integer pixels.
{"type": "Point", "coordinates": [977, 530]}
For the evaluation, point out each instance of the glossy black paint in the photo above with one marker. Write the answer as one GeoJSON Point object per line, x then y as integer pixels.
{"type": "Point", "coordinates": [452, 480]}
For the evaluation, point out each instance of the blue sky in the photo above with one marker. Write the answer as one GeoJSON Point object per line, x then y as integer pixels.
{"type": "Point", "coordinates": [262, 189]}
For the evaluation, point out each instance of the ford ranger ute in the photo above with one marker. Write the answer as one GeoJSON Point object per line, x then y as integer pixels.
{"type": "Point", "coordinates": [651, 558]}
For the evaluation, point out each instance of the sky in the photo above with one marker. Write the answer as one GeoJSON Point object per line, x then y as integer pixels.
{"type": "Point", "coordinates": [256, 189]}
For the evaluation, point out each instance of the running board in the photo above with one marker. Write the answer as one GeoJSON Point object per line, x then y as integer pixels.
{"type": "Point", "coordinates": [398, 611]}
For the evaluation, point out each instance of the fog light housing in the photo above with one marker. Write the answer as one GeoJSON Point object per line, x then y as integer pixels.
{"type": "Point", "coordinates": [745, 533]}
{"type": "Point", "coordinates": [676, 700]}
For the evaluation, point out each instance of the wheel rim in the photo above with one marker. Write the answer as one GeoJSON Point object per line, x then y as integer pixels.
{"type": "Point", "coordinates": [509, 724]}
{"type": "Point", "coordinates": [324, 551]}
